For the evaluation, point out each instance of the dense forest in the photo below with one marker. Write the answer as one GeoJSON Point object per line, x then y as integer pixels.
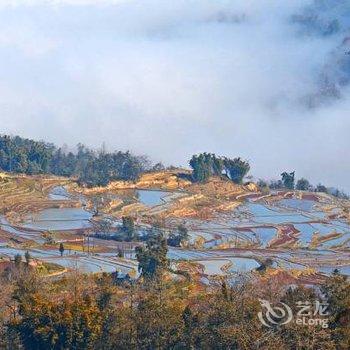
{"type": "Point", "coordinates": [93, 168]}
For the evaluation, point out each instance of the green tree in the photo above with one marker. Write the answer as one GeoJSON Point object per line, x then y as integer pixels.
{"type": "Point", "coordinates": [18, 260]}
{"type": "Point", "coordinates": [321, 188]}
{"type": "Point", "coordinates": [236, 169]}
{"type": "Point", "coordinates": [61, 248]}
{"type": "Point", "coordinates": [152, 257]}
{"type": "Point", "coordinates": [337, 292]}
{"type": "Point", "coordinates": [176, 238]}
{"type": "Point", "coordinates": [303, 185]}
{"type": "Point", "coordinates": [128, 227]}
{"type": "Point", "coordinates": [92, 168]}
{"type": "Point", "coordinates": [201, 168]}
{"type": "Point", "coordinates": [288, 179]}
{"type": "Point", "coordinates": [191, 323]}
{"type": "Point", "coordinates": [28, 257]}
{"type": "Point", "coordinates": [205, 165]}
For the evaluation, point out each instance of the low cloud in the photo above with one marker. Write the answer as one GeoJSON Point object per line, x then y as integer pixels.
{"type": "Point", "coordinates": [250, 78]}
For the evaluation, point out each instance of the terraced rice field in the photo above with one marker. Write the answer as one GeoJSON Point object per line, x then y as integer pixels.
{"type": "Point", "coordinates": [293, 230]}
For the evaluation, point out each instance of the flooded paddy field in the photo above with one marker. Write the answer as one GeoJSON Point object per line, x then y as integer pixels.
{"type": "Point", "coordinates": [58, 219]}
{"type": "Point", "coordinates": [151, 198]}
{"type": "Point", "coordinates": [83, 261]}
{"type": "Point", "coordinates": [293, 232]}
{"type": "Point", "coordinates": [222, 267]}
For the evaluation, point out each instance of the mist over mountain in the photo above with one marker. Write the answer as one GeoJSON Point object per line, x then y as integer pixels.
{"type": "Point", "coordinates": [329, 19]}
{"type": "Point", "coordinates": [256, 79]}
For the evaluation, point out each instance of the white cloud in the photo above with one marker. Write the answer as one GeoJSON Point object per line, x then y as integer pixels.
{"type": "Point", "coordinates": [21, 3]}
{"type": "Point", "coordinates": [170, 78]}
{"type": "Point", "coordinates": [29, 42]}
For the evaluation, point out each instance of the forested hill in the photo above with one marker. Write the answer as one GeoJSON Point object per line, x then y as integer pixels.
{"type": "Point", "coordinates": [93, 168]}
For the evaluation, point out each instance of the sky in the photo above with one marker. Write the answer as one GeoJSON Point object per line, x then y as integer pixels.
{"type": "Point", "coordinates": [262, 79]}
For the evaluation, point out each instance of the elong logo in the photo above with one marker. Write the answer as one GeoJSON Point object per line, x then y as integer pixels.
{"type": "Point", "coordinates": [282, 314]}
{"type": "Point", "coordinates": [275, 315]}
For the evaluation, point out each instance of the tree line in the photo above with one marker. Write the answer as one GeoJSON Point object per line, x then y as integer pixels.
{"type": "Point", "coordinates": [94, 312]}
{"type": "Point", "coordinates": [93, 168]}
{"type": "Point", "coordinates": [98, 168]}
{"type": "Point", "coordinates": [289, 182]}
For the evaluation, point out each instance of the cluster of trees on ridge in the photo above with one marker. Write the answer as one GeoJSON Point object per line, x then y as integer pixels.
{"type": "Point", "coordinates": [93, 168]}
{"type": "Point", "coordinates": [205, 165]}
{"type": "Point", "coordinates": [155, 312]}
{"type": "Point", "coordinates": [21, 155]}
{"type": "Point", "coordinates": [287, 181]}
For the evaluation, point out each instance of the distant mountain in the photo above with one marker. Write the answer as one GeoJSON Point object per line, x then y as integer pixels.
{"type": "Point", "coordinates": [330, 21]}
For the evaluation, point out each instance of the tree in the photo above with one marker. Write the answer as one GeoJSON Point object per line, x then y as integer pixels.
{"type": "Point", "coordinates": [205, 165]}
{"type": "Point", "coordinates": [61, 248]}
{"type": "Point", "coordinates": [201, 169]}
{"type": "Point", "coordinates": [303, 185]}
{"type": "Point", "coordinates": [321, 188]}
{"type": "Point", "coordinates": [337, 292]}
{"type": "Point", "coordinates": [276, 185]}
{"type": "Point", "coordinates": [190, 324]}
{"type": "Point", "coordinates": [98, 312]}
{"type": "Point", "coordinates": [71, 322]}
{"type": "Point", "coordinates": [18, 260]}
{"type": "Point", "coordinates": [288, 180]}
{"type": "Point", "coordinates": [337, 193]}
{"type": "Point", "coordinates": [175, 239]}
{"type": "Point", "coordinates": [183, 232]}
{"type": "Point", "coordinates": [103, 226]}
{"type": "Point", "coordinates": [158, 167]}
{"type": "Point", "coordinates": [92, 168]}
{"type": "Point", "coordinates": [28, 257]}
{"type": "Point", "coordinates": [263, 186]}
{"type": "Point", "coordinates": [129, 227]}
{"type": "Point", "coordinates": [236, 169]}
{"type": "Point", "coordinates": [300, 336]}
{"type": "Point", "coordinates": [152, 258]}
